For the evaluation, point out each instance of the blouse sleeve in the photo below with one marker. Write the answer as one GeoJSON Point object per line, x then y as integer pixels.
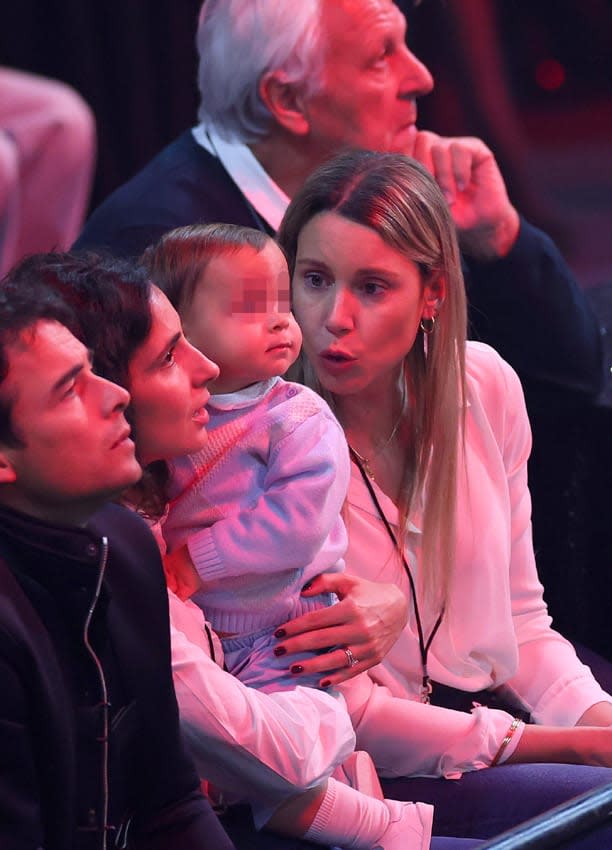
{"type": "Point", "coordinates": [550, 680]}
{"type": "Point", "coordinates": [407, 738]}
{"type": "Point", "coordinates": [260, 747]}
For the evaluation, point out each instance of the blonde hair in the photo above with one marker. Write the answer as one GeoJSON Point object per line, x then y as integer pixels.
{"type": "Point", "coordinates": [397, 198]}
{"type": "Point", "coordinates": [178, 260]}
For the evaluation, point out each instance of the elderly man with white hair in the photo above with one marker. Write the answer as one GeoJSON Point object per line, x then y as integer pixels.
{"type": "Point", "coordinates": [286, 85]}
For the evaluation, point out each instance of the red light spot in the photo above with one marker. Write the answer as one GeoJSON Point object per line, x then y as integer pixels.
{"type": "Point", "coordinates": [550, 74]}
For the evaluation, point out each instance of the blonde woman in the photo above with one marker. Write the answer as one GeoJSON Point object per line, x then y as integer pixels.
{"type": "Point", "coordinates": [438, 501]}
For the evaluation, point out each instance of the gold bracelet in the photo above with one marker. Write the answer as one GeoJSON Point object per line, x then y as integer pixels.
{"type": "Point", "coordinates": [513, 727]}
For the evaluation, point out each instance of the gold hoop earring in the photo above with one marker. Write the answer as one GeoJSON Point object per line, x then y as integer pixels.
{"type": "Point", "coordinates": [427, 325]}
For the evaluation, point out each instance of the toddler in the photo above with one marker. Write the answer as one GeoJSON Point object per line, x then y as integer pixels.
{"type": "Point", "coordinates": [257, 510]}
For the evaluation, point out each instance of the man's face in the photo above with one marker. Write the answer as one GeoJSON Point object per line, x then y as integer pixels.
{"type": "Point", "coordinates": [370, 80]}
{"type": "Point", "coordinates": [76, 450]}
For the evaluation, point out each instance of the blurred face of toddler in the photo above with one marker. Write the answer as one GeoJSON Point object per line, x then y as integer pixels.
{"type": "Point", "coordinates": [240, 318]}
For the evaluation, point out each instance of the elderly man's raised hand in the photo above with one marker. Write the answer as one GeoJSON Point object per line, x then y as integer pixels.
{"type": "Point", "coordinates": [469, 176]}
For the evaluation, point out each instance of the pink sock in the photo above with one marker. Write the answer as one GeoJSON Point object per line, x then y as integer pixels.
{"type": "Point", "coordinates": [348, 818]}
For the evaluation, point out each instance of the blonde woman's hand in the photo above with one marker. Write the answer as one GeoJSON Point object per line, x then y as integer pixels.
{"type": "Point", "coordinates": [181, 575]}
{"type": "Point", "coordinates": [367, 620]}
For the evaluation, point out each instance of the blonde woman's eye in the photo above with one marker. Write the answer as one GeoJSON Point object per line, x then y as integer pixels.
{"type": "Point", "coordinates": [373, 288]}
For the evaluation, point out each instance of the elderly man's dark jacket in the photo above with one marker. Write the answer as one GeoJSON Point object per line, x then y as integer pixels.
{"type": "Point", "coordinates": [51, 697]}
{"type": "Point", "coordinates": [527, 305]}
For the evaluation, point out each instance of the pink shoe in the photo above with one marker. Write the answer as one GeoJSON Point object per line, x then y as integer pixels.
{"type": "Point", "coordinates": [409, 827]}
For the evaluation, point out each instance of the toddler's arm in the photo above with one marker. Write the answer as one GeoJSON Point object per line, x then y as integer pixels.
{"type": "Point", "coordinates": [293, 519]}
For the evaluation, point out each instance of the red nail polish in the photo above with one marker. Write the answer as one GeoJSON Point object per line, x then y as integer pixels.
{"type": "Point", "coordinates": [325, 683]}
{"type": "Point", "coordinates": [297, 668]}
{"type": "Point", "coordinates": [279, 650]}
{"type": "Point", "coordinates": [280, 633]}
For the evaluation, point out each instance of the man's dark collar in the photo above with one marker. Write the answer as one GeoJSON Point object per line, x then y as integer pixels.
{"type": "Point", "coordinates": [79, 543]}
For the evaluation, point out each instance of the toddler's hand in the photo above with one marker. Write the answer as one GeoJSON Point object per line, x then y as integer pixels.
{"type": "Point", "coordinates": [181, 575]}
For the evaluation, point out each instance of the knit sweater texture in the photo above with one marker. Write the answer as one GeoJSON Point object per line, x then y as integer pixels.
{"type": "Point", "coordinates": [260, 505]}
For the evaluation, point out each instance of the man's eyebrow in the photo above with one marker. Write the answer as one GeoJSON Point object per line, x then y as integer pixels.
{"type": "Point", "coordinates": [72, 373]}
{"type": "Point", "coordinates": [68, 376]}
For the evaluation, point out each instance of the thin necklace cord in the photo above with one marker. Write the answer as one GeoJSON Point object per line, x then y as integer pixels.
{"type": "Point", "coordinates": [426, 686]}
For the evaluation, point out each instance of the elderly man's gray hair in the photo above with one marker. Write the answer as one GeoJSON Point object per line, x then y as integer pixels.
{"type": "Point", "coordinates": [240, 40]}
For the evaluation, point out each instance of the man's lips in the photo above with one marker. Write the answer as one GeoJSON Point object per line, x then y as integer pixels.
{"type": "Point", "coordinates": [125, 435]}
{"type": "Point", "coordinates": [411, 111]}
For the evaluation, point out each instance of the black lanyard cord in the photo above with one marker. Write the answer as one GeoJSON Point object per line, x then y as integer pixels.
{"type": "Point", "coordinates": [424, 645]}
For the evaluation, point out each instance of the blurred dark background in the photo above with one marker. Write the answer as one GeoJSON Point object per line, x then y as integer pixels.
{"type": "Point", "coordinates": [534, 80]}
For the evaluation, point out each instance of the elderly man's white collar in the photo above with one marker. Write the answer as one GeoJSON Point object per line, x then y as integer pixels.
{"type": "Point", "coordinates": [245, 170]}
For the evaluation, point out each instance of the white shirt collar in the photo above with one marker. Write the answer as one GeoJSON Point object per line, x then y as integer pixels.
{"type": "Point", "coordinates": [247, 173]}
{"type": "Point", "coordinates": [245, 397]}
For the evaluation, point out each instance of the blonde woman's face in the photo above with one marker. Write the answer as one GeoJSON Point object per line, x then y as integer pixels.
{"type": "Point", "coordinates": [358, 302]}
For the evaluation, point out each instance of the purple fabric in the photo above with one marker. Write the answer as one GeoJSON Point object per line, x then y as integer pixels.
{"type": "Point", "coordinates": [487, 802]}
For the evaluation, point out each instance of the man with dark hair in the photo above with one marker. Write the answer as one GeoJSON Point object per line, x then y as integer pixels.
{"type": "Point", "coordinates": [90, 749]}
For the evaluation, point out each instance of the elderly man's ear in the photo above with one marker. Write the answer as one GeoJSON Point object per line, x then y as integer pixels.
{"type": "Point", "coordinates": [286, 102]}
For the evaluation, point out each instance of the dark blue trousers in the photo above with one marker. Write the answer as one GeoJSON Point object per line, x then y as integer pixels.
{"type": "Point", "coordinates": [486, 802]}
